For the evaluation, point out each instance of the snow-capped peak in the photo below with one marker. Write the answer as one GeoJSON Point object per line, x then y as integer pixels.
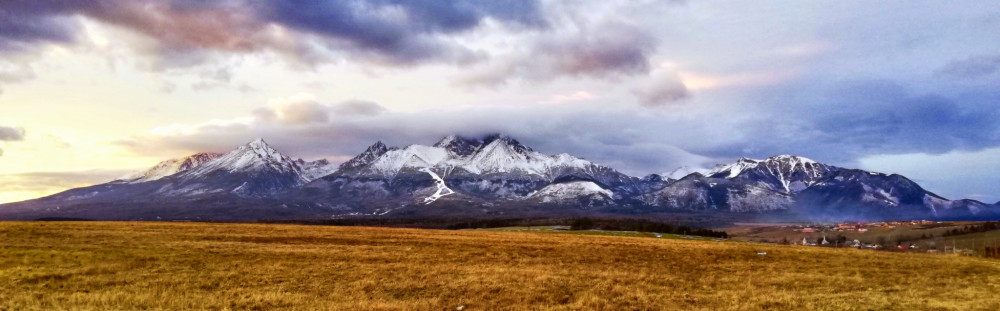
{"type": "Point", "coordinates": [367, 157]}
{"type": "Point", "coordinates": [260, 148]}
{"type": "Point", "coordinates": [502, 154]}
{"type": "Point", "coordinates": [791, 164]}
{"type": "Point", "coordinates": [779, 165]}
{"type": "Point", "coordinates": [416, 156]}
{"type": "Point", "coordinates": [787, 173]}
{"type": "Point", "coordinates": [170, 167]}
{"type": "Point", "coordinates": [255, 156]}
{"type": "Point", "coordinates": [683, 171]}
{"type": "Point", "coordinates": [459, 145]}
{"type": "Point", "coordinates": [734, 169]}
{"type": "Point", "coordinates": [507, 140]}
{"type": "Point", "coordinates": [791, 159]}
{"type": "Point", "coordinates": [491, 154]}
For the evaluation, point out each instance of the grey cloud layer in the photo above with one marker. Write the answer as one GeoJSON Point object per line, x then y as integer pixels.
{"type": "Point", "coordinates": [186, 33]}
{"type": "Point", "coordinates": [972, 67]}
{"type": "Point", "coordinates": [390, 31]}
{"type": "Point", "coordinates": [603, 50]}
{"type": "Point", "coordinates": [10, 134]}
{"type": "Point", "coordinates": [839, 123]}
{"type": "Point", "coordinates": [345, 130]}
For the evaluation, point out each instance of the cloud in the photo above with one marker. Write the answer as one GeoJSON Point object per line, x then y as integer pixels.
{"type": "Point", "coordinates": [26, 23]}
{"type": "Point", "coordinates": [10, 134]}
{"type": "Point", "coordinates": [181, 31]}
{"type": "Point", "coordinates": [401, 32]}
{"type": "Point", "coordinates": [298, 110]}
{"type": "Point", "coordinates": [845, 121]}
{"type": "Point", "coordinates": [357, 108]}
{"type": "Point", "coordinates": [972, 67]}
{"type": "Point", "coordinates": [956, 174]}
{"type": "Point", "coordinates": [304, 109]}
{"type": "Point", "coordinates": [884, 118]}
{"type": "Point", "coordinates": [13, 72]}
{"type": "Point", "coordinates": [662, 88]}
{"type": "Point", "coordinates": [577, 96]}
{"type": "Point", "coordinates": [635, 146]}
{"type": "Point", "coordinates": [605, 50]}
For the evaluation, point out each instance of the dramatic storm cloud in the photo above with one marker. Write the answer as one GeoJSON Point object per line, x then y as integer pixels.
{"type": "Point", "coordinates": [643, 86]}
{"type": "Point", "coordinates": [388, 31]}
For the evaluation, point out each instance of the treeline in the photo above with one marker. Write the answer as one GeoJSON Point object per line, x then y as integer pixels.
{"type": "Point", "coordinates": [983, 227]}
{"type": "Point", "coordinates": [589, 223]}
{"type": "Point", "coordinates": [641, 225]}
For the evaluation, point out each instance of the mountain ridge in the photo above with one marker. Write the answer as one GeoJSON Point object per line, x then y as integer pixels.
{"type": "Point", "coordinates": [490, 175]}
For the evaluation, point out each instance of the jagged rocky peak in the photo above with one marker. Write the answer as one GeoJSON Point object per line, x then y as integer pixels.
{"type": "Point", "coordinates": [367, 157]}
{"type": "Point", "coordinates": [795, 164]}
{"type": "Point", "coordinates": [497, 139]}
{"type": "Point", "coordinates": [459, 145]}
{"type": "Point", "coordinates": [377, 148]}
{"type": "Point", "coordinates": [652, 178]}
{"type": "Point", "coordinates": [779, 164]}
{"type": "Point", "coordinates": [790, 159]}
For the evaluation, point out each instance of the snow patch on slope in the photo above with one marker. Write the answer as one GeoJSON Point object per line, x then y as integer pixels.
{"type": "Point", "coordinates": [571, 190]}
{"type": "Point", "coordinates": [442, 189]}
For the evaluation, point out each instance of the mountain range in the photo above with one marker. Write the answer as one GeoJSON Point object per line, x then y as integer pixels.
{"type": "Point", "coordinates": [489, 176]}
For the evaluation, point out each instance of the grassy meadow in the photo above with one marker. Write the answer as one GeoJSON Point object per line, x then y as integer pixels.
{"type": "Point", "coordinates": [169, 266]}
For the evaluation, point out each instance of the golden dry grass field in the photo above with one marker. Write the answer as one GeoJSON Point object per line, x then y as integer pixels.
{"type": "Point", "coordinates": [169, 266]}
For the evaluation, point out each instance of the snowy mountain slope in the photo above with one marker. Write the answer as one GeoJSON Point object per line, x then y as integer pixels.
{"type": "Point", "coordinates": [365, 158]}
{"type": "Point", "coordinates": [571, 191]}
{"type": "Point", "coordinates": [252, 170]}
{"type": "Point", "coordinates": [170, 167]}
{"type": "Point", "coordinates": [807, 188]}
{"type": "Point", "coordinates": [493, 167]}
{"type": "Point", "coordinates": [733, 169]}
{"type": "Point", "coordinates": [256, 156]}
{"type": "Point", "coordinates": [312, 170]}
{"type": "Point", "coordinates": [783, 173]}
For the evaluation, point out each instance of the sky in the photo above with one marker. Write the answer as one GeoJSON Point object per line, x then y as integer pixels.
{"type": "Point", "coordinates": [93, 89]}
